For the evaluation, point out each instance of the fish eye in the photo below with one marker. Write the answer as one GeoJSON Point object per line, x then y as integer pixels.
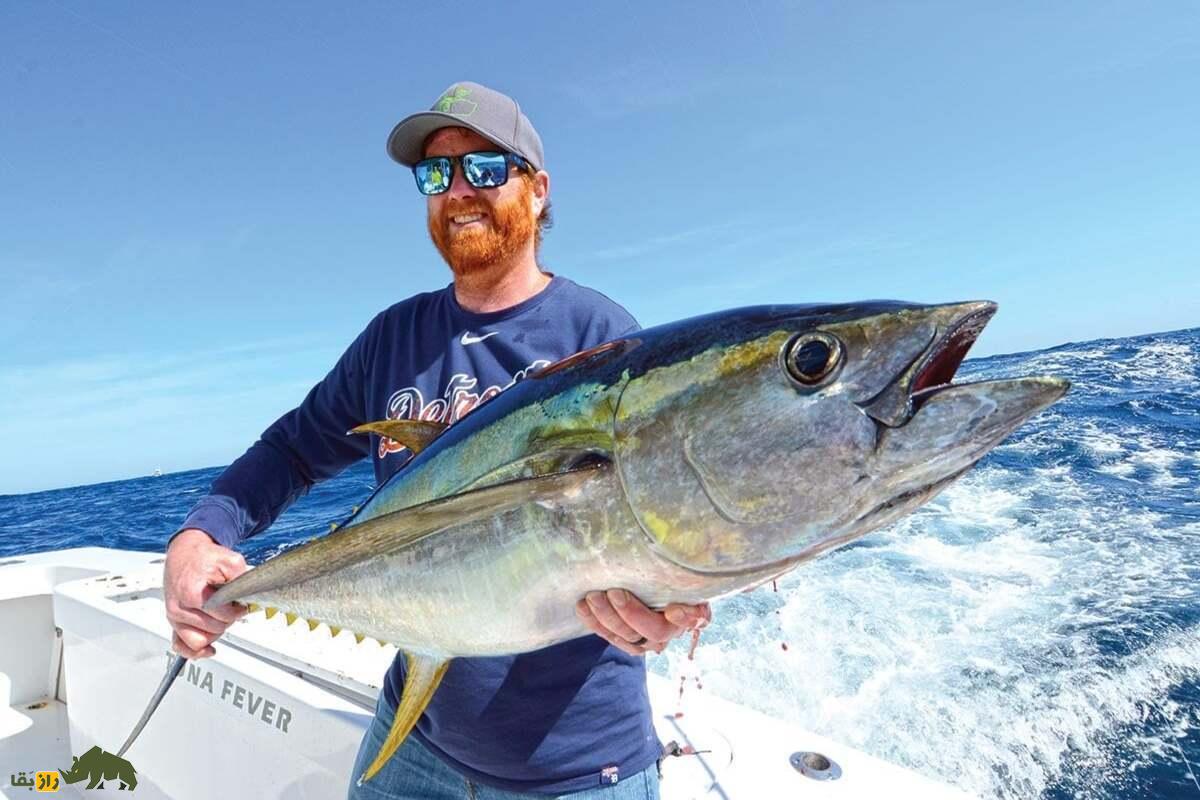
{"type": "Point", "coordinates": [811, 358]}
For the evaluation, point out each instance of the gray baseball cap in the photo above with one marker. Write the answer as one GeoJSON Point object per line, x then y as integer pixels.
{"type": "Point", "coordinates": [489, 113]}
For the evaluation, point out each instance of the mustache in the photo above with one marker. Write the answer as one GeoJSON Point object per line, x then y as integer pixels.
{"type": "Point", "coordinates": [456, 207]}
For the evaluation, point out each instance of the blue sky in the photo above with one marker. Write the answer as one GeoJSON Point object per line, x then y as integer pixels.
{"type": "Point", "coordinates": [197, 213]}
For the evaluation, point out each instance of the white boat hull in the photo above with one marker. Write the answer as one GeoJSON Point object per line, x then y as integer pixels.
{"type": "Point", "coordinates": [280, 710]}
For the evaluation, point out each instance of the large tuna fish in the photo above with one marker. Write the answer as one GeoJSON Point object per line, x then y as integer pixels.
{"type": "Point", "coordinates": [684, 463]}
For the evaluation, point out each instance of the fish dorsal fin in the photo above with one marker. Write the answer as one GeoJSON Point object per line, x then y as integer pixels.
{"type": "Point", "coordinates": [420, 682]}
{"type": "Point", "coordinates": [415, 434]}
{"type": "Point", "coordinates": [390, 532]}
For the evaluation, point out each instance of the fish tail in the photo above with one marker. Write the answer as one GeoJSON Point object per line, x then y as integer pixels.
{"type": "Point", "coordinates": [173, 670]}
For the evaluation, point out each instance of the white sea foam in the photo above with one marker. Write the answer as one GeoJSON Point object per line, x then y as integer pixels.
{"type": "Point", "coordinates": [1146, 459]}
{"type": "Point", "coordinates": [1060, 361]}
{"type": "Point", "coordinates": [1109, 368]}
{"type": "Point", "coordinates": [962, 641]}
{"type": "Point", "coordinates": [1099, 443]}
{"type": "Point", "coordinates": [1165, 361]}
{"type": "Point", "coordinates": [1122, 469]}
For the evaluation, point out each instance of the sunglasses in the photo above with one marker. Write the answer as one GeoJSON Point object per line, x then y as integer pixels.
{"type": "Point", "coordinates": [483, 170]}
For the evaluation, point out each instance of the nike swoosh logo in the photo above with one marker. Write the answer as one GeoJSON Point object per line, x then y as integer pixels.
{"type": "Point", "coordinates": [469, 339]}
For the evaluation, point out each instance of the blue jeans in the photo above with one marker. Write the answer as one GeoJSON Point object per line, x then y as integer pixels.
{"type": "Point", "coordinates": [414, 773]}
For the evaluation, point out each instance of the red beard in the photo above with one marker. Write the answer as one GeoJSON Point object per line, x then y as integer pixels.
{"type": "Point", "coordinates": [511, 226]}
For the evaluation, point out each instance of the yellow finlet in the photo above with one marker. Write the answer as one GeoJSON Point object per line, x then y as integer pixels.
{"type": "Point", "coordinates": [424, 675]}
{"type": "Point", "coordinates": [291, 617]}
{"type": "Point", "coordinates": [358, 638]}
{"type": "Point", "coordinates": [334, 630]}
{"type": "Point", "coordinates": [271, 611]}
{"type": "Point", "coordinates": [253, 607]}
{"type": "Point", "coordinates": [313, 623]}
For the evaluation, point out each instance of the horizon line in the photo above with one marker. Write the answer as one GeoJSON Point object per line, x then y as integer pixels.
{"type": "Point", "coordinates": [69, 487]}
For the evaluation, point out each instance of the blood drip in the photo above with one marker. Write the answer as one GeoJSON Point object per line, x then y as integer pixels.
{"type": "Point", "coordinates": [783, 645]}
{"type": "Point", "coordinates": [683, 678]}
{"type": "Point", "coordinates": [695, 641]}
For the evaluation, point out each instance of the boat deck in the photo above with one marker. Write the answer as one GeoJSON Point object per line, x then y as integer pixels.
{"type": "Point", "coordinates": [86, 643]}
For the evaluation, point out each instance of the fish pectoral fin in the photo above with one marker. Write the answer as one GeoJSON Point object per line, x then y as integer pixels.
{"type": "Point", "coordinates": [415, 434]}
{"type": "Point", "coordinates": [421, 681]}
{"type": "Point", "coordinates": [387, 533]}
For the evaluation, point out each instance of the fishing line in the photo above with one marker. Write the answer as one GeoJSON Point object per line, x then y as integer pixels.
{"type": "Point", "coordinates": [1166, 718]}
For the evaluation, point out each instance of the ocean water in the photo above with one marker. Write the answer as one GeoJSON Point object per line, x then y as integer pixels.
{"type": "Point", "coordinates": [1032, 632]}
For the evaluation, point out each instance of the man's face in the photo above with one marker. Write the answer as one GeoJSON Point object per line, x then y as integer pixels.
{"type": "Point", "coordinates": [474, 228]}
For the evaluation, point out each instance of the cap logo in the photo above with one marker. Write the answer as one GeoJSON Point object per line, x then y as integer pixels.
{"type": "Point", "coordinates": [455, 101]}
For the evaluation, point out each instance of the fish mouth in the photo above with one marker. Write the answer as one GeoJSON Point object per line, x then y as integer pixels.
{"type": "Point", "coordinates": [908, 499]}
{"type": "Point", "coordinates": [939, 363]}
{"type": "Point", "coordinates": [930, 430]}
{"type": "Point", "coordinates": [956, 328]}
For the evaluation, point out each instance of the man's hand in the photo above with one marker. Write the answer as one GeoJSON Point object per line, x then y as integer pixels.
{"type": "Point", "coordinates": [626, 623]}
{"type": "Point", "coordinates": [195, 565]}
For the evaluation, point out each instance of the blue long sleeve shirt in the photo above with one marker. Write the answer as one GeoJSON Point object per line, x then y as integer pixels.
{"type": "Point", "coordinates": [562, 719]}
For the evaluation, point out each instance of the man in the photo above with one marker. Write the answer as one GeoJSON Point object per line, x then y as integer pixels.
{"type": "Point", "coordinates": [573, 718]}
